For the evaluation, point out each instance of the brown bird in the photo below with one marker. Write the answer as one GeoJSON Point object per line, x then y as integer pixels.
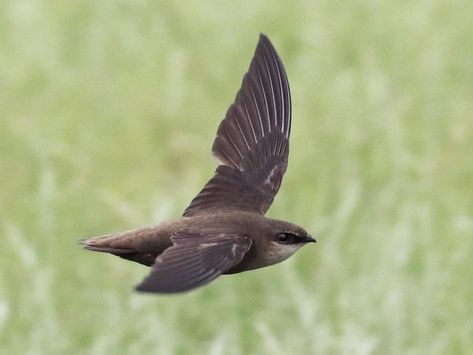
{"type": "Point", "coordinates": [224, 230]}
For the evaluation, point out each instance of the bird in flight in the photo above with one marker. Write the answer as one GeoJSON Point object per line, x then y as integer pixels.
{"type": "Point", "coordinates": [224, 229]}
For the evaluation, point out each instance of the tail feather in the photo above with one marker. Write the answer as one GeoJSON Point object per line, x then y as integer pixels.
{"type": "Point", "coordinates": [120, 244]}
{"type": "Point", "coordinates": [87, 244]}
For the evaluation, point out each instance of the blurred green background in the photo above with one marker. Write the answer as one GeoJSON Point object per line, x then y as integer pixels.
{"type": "Point", "coordinates": [108, 110]}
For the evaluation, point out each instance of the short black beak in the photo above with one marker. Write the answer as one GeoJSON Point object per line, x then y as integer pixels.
{"type": "Point", "coordinates": [310, 239]}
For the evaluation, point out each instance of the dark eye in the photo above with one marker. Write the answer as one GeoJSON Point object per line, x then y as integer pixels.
{"type": "Point", "coordinates": [286, 238]}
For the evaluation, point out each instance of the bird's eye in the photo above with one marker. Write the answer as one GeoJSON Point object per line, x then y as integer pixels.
{"type": "Point", "coordinates": [286, 238]}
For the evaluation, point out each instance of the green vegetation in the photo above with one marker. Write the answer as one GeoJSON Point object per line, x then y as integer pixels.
{"type": "Point", "coordinates": [107, 114]}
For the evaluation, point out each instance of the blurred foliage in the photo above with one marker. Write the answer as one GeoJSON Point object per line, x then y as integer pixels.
{"type": "Point", "coordinates": [108, 110]}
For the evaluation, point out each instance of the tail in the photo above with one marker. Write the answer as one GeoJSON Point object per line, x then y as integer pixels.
{"type": "Point", "coordinates": [120, 244]}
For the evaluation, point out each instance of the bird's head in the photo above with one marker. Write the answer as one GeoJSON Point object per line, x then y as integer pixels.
{"type": "Point", "coordinates": [285, 239]}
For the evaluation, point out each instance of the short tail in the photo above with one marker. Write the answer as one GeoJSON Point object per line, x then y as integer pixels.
{"type": "Point", "coordinates": [89, 246]}
{"type": "Point", "coordinates": [120, 244]}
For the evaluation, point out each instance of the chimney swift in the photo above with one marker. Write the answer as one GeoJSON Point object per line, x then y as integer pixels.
{"type": "Point", "coordinates": [224, 230]}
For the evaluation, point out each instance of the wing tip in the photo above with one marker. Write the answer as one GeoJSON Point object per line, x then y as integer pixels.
{"type": "Point", "coordinates": [264, 41]}
{"type": "Point", "coordinates": [263, 37]}
{"type": "Point", "coordinates": [149, 287]}
{"type": "Point", "coordinates": [154, 288]}
{"type": "Point", "coordinates": [143, 287]}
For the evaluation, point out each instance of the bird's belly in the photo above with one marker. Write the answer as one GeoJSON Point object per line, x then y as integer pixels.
{"type": "Point", "coordinates": [261, 257]}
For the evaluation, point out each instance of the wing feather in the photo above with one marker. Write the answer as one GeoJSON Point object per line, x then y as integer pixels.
{"type": "Point", "coordinates": [194, 260]}
{"type": "Point", "coordinates": [252, 143]}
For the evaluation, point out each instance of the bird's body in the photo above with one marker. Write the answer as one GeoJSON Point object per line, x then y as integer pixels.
{"type": "Point", "coordinates": [224, 229]}
{"type": "Point", "coordinates": [146, 244]}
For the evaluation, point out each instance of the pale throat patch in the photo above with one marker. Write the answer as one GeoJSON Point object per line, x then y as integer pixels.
{"type": "Point", "coordinates": [279, 252]}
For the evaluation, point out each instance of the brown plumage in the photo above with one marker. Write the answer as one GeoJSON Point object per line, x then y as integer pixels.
{"type": "Point", "coordinates": [224, 229]}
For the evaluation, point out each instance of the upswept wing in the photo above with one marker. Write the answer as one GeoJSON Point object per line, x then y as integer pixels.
{"type": "Point", "coordinates": [252, 143]}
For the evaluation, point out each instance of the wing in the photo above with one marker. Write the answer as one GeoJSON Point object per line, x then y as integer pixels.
{"type": "Point", "coordinates": [252, 143]}
{"type": "Point", "coordinates": [194, 260]}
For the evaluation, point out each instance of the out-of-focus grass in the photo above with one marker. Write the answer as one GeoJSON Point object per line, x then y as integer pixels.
{"type": "Point", "coordinates": [107, 114]}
